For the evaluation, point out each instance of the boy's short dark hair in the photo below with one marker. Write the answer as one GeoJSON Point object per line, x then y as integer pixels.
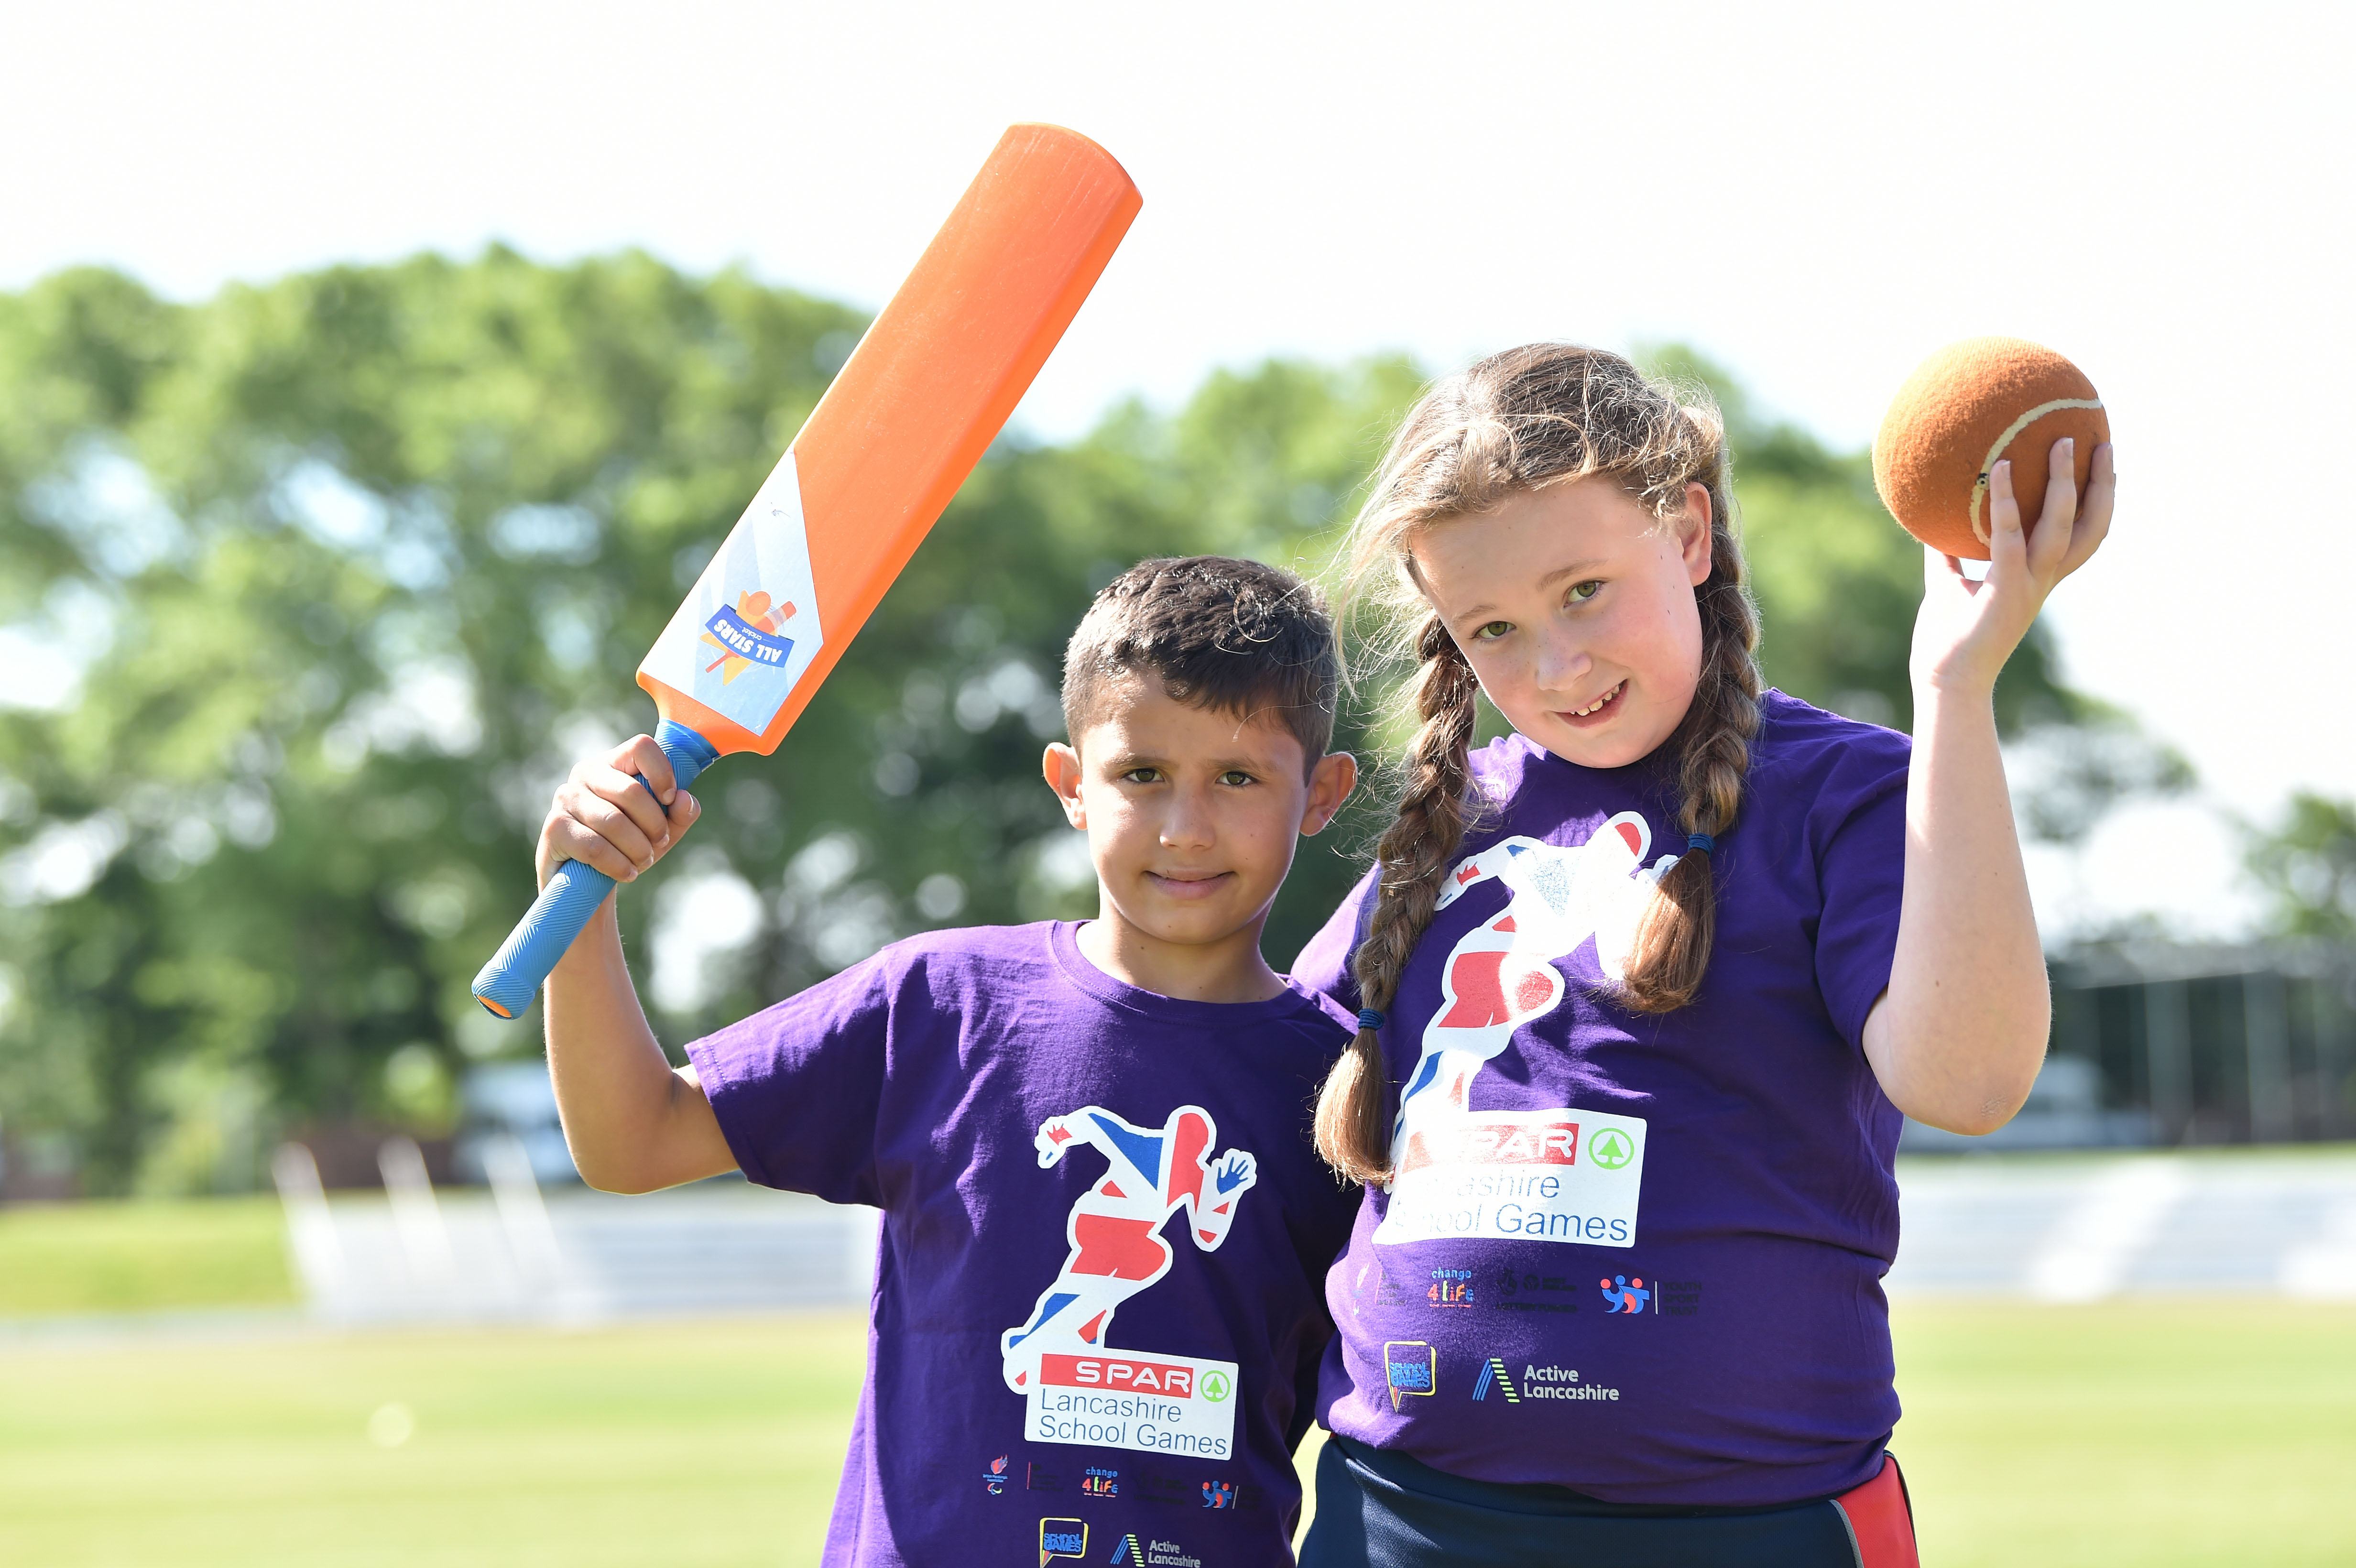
{"type": "Point", "coordinates": [1232, 635]}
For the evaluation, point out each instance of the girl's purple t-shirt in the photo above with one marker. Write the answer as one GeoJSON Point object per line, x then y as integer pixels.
{"type": "Point", "coordinates": [1096, 1320]}
{"type": "Point", "coordinates": [1637, 1255]}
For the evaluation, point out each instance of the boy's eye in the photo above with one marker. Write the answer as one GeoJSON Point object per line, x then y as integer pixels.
{"type": "Point", "coordinates": [1237, 776]}
{"type": "Point", "coordinates": [1580, 592]}
{"type": "Point", "coordinates": [1492, 630]}
{"type": "Point", "coordinates": [1141, 776]}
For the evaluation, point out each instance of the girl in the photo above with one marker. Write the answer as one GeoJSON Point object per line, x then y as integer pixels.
{"type": "Point", "coordinates": [1653, 978]}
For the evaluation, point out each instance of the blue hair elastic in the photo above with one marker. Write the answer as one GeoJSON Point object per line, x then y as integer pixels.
{"type": "Point", "coordinates": [1370, 1018]}
{"type": "Point", "coordinates": [1701, 841]}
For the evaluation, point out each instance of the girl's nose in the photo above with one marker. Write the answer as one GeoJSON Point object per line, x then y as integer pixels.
{"type": "Point", "coordinates": [1562, 661]}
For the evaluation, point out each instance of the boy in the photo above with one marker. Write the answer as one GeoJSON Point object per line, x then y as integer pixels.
{"type": "Point", "coordinates": [1048, 1372]}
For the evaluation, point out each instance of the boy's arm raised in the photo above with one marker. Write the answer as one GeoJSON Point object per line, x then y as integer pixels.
{"type": "Point", "coordinates": [1957, 1039]}
{"type": "Point", "coordinates": [634, 1123]}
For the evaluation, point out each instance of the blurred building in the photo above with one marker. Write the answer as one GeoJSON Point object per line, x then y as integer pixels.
{"type": "Point", "coordinates": [2173, 1045]}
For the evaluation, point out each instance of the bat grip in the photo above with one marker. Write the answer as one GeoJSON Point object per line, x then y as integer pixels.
{"type": "Point", "coordinates": [509, 981]}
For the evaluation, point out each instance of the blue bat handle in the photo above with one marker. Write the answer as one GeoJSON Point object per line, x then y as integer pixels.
{"type": "Point", "coordinates": [509, 981]}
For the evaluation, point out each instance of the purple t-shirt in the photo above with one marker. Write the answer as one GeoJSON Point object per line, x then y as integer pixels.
{"type": "Point", "coordinates": [1097, 1311]}
{"type": "Point", "coordinates": [1637, 1255]}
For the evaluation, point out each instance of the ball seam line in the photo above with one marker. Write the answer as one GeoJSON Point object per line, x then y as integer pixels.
{"type": "Point", "coordinates": [1979, 485]}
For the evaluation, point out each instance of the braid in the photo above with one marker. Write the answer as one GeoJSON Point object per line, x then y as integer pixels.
{"type": "Point", "coordinates": [1353, 1133]}
{"type": "Point", "coordinates": [1673, 940]}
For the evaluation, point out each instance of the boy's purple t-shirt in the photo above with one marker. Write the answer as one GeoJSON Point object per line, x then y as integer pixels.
{"type": "Point", "coordinates": [1104, 1196]}
{"type": "Point", "coordinates": [1637, 1255]}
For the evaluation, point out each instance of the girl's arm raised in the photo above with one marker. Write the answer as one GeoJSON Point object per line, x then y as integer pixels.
{"type": "Point", "coordinates": [1957, 1039]}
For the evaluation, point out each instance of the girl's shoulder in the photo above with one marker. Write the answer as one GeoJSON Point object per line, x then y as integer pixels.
{"type": "Point", "coordinates": [1808, 750]}
{"type": "Point", "coordinates": [1804, 762]}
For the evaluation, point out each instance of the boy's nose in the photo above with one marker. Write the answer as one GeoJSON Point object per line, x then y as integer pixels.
{"type": "Point", "coordinates": [1187, 824]}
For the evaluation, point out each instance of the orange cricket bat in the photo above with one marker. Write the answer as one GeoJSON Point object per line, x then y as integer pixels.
{"type": "Point", "coordinates": [904, 423]}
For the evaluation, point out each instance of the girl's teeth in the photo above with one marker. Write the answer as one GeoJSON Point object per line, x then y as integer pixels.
{"type": "Point", "coordinates": [1599, 702]}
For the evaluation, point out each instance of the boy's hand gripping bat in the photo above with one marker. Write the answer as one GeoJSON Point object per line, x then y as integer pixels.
{"type": "Point", "coordinates": [903, 423]}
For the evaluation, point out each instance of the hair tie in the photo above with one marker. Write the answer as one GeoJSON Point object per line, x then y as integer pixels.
{"type": "Point", "coordinates": [1701, 841]}
{"type": "Point", "coordinates": [1370, 1018]}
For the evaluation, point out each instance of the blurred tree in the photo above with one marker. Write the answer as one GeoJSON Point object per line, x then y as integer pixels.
{"type": "Point", "coordinates": [355, 564]}
{"type": "Point", "coordinates": [2308, 868]}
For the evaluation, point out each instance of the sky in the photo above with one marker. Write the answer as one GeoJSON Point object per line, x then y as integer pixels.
{"type": "Point", "coordinates": [1816, 197]}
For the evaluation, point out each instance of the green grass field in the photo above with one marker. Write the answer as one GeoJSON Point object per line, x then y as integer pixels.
{"type": "Point", "coordinates": [2144, 1434]}
{"type": "Point", "coordinates": [198, 1252]}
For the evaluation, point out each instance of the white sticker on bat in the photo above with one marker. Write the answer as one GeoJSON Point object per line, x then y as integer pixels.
{"type": "Point", "coordinates": [745, 635]}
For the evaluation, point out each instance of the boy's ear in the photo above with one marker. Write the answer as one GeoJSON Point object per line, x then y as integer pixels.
{"type": "Point", "coordinates": [1330, 783]}
{"type": "Point", "coordinates": [1062, 767]}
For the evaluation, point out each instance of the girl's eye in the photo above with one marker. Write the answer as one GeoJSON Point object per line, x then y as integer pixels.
{"type": "Point", "coordinates": [1492, 630]}
{"type": "Point", "coordinates": [1580, 592]}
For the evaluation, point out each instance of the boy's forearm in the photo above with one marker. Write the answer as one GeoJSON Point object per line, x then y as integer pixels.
{"type": "Point", "coordinates": [1957, 1040]}
{"type": "Point", "coordinates": [633, 1123]}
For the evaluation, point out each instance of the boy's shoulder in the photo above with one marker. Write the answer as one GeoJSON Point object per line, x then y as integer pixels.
{"type": "Point", "coordinates": [1045, 955]}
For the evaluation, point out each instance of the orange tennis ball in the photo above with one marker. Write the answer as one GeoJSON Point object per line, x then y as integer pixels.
{"type": "Point", "coordinates": [1965, 408]}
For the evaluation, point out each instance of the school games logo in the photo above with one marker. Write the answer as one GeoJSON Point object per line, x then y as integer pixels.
{"type": "Point", "coordinates": [1062, 1537]}
{"type": "Point", "coordinates": [1410, 1369]}
{"type": "Point", "coordinates": [1078, 1389]}
{"type": "Point", "coordinates": [1522, 1174]}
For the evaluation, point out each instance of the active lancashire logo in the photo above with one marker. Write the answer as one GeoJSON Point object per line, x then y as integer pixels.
{"type": "Point", "coordinates": [994, 1479]}
{"type": "Point", "coordinates": [1625, 1295]}
{"type": "Point", "coordinates": [1155, 1553]}
{"type": "Point", "coordinates": [1062, 1537]}
{"type": "Point", "coordinates": [1095, 1481]}
{"type": "Point", "coordinates": [1409, 1367]}
{"type": "Point", "coordinates": [1493, 1375]}
{"type": "Point", "coordinates": [1560, 1383]}
{"type": "Point", "coordinates": [1128, 1552]}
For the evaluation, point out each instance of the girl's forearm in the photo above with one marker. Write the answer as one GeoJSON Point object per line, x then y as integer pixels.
{"type": "Point", "coordinates": [1959, 1036]}
{"type": "Point", "coordinates": [632, 1122]}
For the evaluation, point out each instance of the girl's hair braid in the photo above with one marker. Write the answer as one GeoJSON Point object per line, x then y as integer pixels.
{"type": "Point", "coordinates": [1352, 1110]}
{"type": "Point", "coordinates": [1544, 414]}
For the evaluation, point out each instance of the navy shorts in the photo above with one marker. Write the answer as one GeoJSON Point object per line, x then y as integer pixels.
{"type": "Point", "coordinates": [1377, 1509]}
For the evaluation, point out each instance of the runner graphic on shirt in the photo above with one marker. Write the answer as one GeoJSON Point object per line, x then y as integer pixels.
{"type": "Point", "coordinates": [1115, 1228]}
{"type": "Point", "coordinates": [1502, 973]}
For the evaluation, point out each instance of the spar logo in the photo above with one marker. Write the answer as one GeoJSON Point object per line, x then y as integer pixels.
{"type": "Point", "coordinates": [1062, 1537]}
{"type": "Point", "coordinates": [1410, 1367]}
{"type": "Point", "coordinates": [1135, 1375]}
